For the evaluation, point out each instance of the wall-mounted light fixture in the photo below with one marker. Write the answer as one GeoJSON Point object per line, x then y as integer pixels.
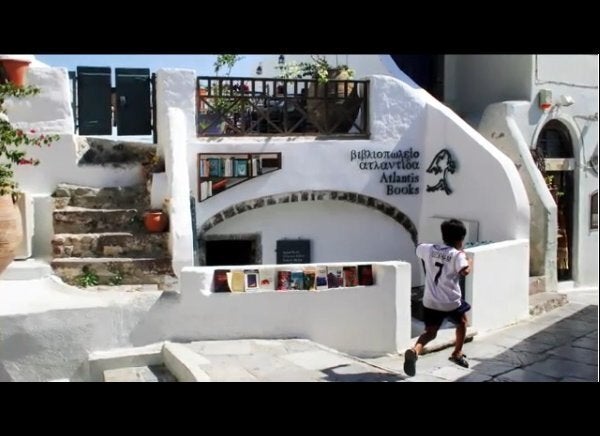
{"type": "Point", "coordinates": [281, 59]}
{"type": "Point", "coordinates": [259, 69]}
{"type": "Point", "coordinates": [545, 99]}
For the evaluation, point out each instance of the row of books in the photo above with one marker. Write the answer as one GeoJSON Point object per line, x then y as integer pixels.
{"type": "Point", "coordinates": [229, 167]}
{"type": "Point", "coordinates": [310, 279]}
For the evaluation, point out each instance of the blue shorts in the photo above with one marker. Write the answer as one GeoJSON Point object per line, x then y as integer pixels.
{"type": "Point", "coordinates": [435, 318]}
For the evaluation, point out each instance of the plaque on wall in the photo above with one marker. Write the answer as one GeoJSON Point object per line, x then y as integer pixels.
{"type": "Point", "coordinates": [293, 251]}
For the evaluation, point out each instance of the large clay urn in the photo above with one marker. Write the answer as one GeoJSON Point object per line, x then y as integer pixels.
{"type": "Point", "coordinates": [333, 106]}
{"type": "Point", "coordinates": [11, 230]}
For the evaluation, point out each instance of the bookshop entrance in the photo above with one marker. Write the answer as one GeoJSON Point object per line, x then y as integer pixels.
{"type": "Point", "coordinates": [230, 250]}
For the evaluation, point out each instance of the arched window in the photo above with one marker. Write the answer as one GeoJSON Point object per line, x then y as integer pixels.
{"type": "Point", "coordinates": [555, 141]}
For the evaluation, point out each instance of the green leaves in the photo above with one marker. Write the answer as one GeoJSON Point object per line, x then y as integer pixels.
{"type": "Point", "coordinates": [12, 140]}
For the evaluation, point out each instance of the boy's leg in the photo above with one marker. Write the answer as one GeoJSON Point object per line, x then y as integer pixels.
{"type": "Point", "coordinates": [459, 317]}
{"type": "Point", "coordinates": [433, 320]}
{"type": "Point", "coordinates": [461, 334]}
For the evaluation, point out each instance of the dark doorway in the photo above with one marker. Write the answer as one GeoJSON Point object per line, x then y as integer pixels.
{"type": "Point", "coordinates": [555, 146]}
{"type": "Point", "coordinates": [230, 252]}
{"type": "Point", "coordinates": [427, 70]}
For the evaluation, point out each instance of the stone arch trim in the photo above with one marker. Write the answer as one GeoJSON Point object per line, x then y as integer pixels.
{"type": "Point", "coordinates": [321, 195]}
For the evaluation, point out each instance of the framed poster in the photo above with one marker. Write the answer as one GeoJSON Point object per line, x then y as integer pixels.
{"type": "Point", "coordinates": [293, 251]}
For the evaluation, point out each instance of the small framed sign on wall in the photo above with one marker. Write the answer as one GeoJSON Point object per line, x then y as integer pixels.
{"type": "Point", "coordinates": [293, 251]}
{"type": "Point", "coordinates": [594, 211]}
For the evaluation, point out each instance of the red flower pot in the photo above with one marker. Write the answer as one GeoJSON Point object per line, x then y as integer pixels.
{"type": "Point", "coordinates": [156, 221]}
{"type": "Point", "coordinates": [16, 71]}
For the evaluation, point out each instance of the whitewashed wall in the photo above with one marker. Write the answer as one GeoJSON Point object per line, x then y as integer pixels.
{"type": "Point", "coordinates": [402, 118]}
{"type": "Point", "coordinates": [498, 286]}
{"type": "Point", "coordinates": [48, 335]}
{"type": "Point", "coordinates": [336, 229]}
{"type": "Point", "coordinates": [499, 124]}
{"type": "Point", "coordinates": [362, 320]}
{"type": "Point", "coordinates": [575, 76]}
{"type": "Point", "coordinates": [181, 240]}
{"type": "Point", "coordinates": [472, 82]}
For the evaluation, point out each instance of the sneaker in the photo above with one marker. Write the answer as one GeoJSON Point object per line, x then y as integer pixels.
{"type": "Point", "coordinates": [460, 360]}
{"type": "Point", "coordinates": [410, 362]}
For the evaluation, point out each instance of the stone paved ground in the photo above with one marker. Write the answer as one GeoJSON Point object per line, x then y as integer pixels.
{"type": "Point", "coordinates": [292, 360]}
{"type": "Point", "coordinates": [561, 345]}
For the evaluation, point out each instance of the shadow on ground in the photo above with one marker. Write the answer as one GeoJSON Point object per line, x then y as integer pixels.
{"type": "Point", "coordinates": [347, 373]}
{"type": "Point", "coordinates": [564, 351]}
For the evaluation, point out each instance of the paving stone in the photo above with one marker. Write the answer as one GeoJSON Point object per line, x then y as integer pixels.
{"type": "Point", "coordinates": [559, 368]}
{"type": "Point", "coordinates": [574, 379]}
{"type": "Point", "coordinates": [580, 355]}
{"type": "Point", "coordinates": [229, 373]}
{"type": "Point", "coordinates": [208, 348]}
{"type": "Point", "coordinates": [317, 360]}
{"type": "Point", "coordinates": [451, 373]}
{"type": "Point", "coordinates": [586, 342]}
{"type": "Point", "coordinates": [490, 367]}
{"type": "Point", "coordinates": [520, 375]}
{"type": "Point", "coordinates": [530, 344]}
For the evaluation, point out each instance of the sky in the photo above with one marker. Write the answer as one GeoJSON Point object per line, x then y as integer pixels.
{"type": "Point", "coordinates": [203, 64]}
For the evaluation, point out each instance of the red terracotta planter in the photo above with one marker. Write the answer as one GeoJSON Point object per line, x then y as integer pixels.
{"type": "Point", "coordinates": [156, 221]}
{"type": "Point", "coordinates": [16, 71]}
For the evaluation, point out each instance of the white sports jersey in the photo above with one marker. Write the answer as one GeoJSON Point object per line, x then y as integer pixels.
{"type": "Point", "coordinates": [442, 264]}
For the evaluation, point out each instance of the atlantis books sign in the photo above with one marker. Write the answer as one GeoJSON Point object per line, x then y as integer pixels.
{"type": "Point", "coordinates": [399, 169]}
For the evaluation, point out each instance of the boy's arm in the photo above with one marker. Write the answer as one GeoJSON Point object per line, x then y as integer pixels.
{"type": "Point", "coordinates": [464, 264]}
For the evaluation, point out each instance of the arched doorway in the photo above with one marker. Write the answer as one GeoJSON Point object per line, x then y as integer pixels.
{"type": "Point", "coordinates": [556, 161]}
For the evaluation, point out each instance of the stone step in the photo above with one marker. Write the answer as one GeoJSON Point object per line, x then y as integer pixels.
{"type": "Point", "coordinates": [83, 220]}
{"type": "Point", "coordinates": [115, 152]}
{"type": "Point", "coordinates": [537, 284]}
{"type": "Point", "coordinates": [118, 244]}
{"type": "Point", "coordinates": [114, 270]}
{"type": "Point", "coordinates": [126, 197]}
{"type": "Point", "coordinates": [545, 302]}
{"type": "Point", "coordinates": [157, 373]}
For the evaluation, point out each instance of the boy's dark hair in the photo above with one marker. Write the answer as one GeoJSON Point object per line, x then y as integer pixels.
{"type": "Point", "coordinates": [453, 231]}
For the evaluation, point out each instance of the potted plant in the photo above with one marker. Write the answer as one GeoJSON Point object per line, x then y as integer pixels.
{"type": "Point", "coordinates": [12, 142]}
{"type": "Point", "coordinates": [15, 67]}
{"type": "Point", "coordinates": [332, 107]}
{"type": "Point", "coordinates": [222, 109]}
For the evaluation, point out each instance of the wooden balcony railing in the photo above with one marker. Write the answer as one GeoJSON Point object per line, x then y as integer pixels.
{"type": "Point", "coordinates": [239, 106]}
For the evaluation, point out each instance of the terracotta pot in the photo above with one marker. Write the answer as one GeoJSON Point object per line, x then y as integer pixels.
{"type": "Point", "coordinates": [156, 221]}
{"type": "Point", "coordinates": [16, 71]}
{"type": "Point", "coordinates": [333, 107]}
{"type": "Point", "coordinates": [11, 231]}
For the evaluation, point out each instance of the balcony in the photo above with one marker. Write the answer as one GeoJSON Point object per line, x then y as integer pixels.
{"type": "Point", "coordinates": [239, 106]}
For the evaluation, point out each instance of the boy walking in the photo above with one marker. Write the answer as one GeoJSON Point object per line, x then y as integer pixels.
{"type": "Point", "coordinates": [444, 264]}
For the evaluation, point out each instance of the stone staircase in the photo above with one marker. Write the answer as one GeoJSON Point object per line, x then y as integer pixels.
{"type": "Point", "coordinates": [99, 236]}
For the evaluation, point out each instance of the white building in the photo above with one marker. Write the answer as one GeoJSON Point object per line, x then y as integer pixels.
{"type": "Point", "coordinates": [351, 198]}
{"type": "Point", "coordinates": [542, 107]}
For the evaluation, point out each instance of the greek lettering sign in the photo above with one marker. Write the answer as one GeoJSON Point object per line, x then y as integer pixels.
{"type": "Point", "coordinates": [293, 251]}
{"type": "Point", "coordinates": [400, 168]}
